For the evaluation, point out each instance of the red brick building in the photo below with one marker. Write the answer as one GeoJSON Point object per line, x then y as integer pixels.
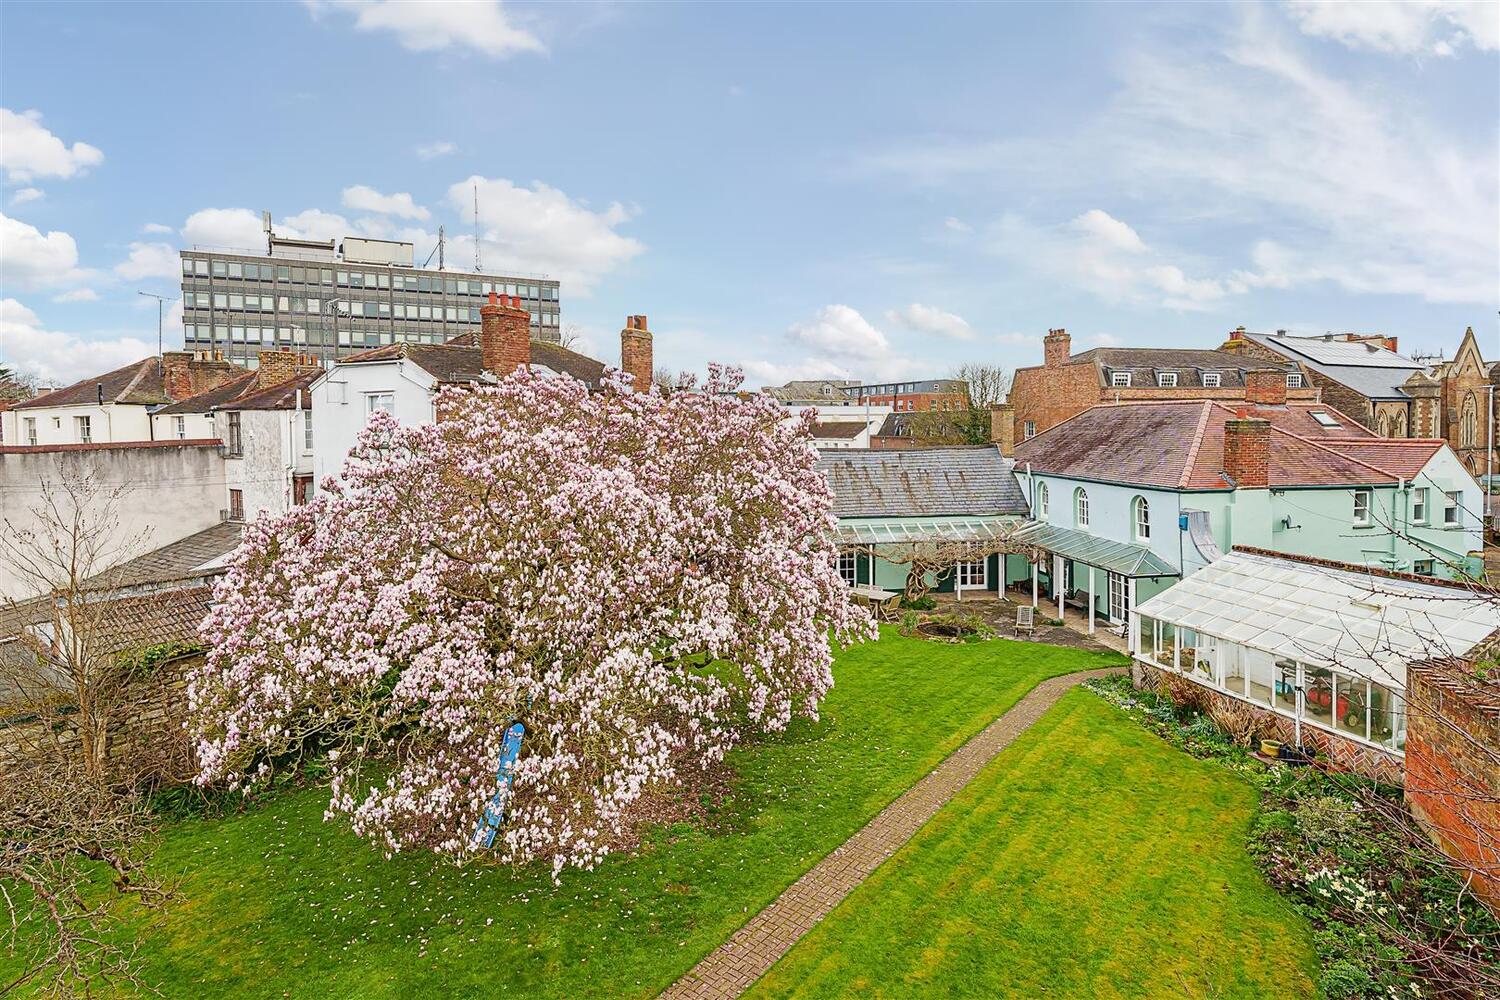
{"type": "Point", "coordinates": [1066, 384]}
{"type": "Point", "coordinates": [913, 397]}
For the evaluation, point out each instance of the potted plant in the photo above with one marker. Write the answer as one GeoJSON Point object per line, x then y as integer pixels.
{"type": "Point", "coordinates": [1271, 748]}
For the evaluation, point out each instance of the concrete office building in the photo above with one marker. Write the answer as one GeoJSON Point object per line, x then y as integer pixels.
{"type": "Point", "coordinates": [329, 299]}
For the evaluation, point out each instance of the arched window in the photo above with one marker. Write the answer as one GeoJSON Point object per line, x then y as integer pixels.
{"type": "Point", "coordinates": [1468, 423]}
{"type": "Point", "coordinates": [1140, 512]}
{"type": "Point", "coordinates": [1041, 501]}
{"type": "Point", "coordinates": [1081, 508]}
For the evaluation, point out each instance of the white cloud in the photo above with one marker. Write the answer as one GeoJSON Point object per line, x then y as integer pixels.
{"type": "Point", "coordinates": [1107, 257]}
{"type": "Point", "coordinates": [483, 26]}
{"type": "Point", "coordinates": [313, 224]}
{"type": "Point", "coordinates": [156, 228]}
{"type": "Point", "coordinates": [149, 260]}
{"type": "Point", "coordinates": [931, 319]}
{"type": "Point", "coordinates": [840, 343]}
{"type": "Point", "coordinates": [24, 195]}
{"type": "Point", "coordinates": [62, 357]}
{"type": "Point", "coordinates": [1402, 27]}
{"type": "Point", "coordinates": [433, 150]}
{"type": "Point", "coordinates": [840, 331]}
{"type": "Point", "coordinates": [770, 373]}
{"type": "Point", "coordinates": [29, 150]}
{"type": "Point", "coordinates": [542, 229]}
{"type": "Point", "coordinates": [32, 259]}
{"type": "Point", "coordinates": [363, 198]}
{"type": "Point", "coordinates": [957, 225]}
{"type": "Point", "coordinates": [224, 227]}
{"type": "Point", "coordinates": [84, 294]}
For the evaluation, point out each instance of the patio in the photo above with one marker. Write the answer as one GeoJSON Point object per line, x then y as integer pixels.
{"type": "Point", "coordinates": [999, 612]}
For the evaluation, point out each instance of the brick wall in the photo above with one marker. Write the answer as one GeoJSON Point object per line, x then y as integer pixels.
{"type": "Point", "coordinates": [636, 353]}
{"type": "Point", "coordinates": [1049, 396]}
{"type": "Point", "coordinates": [1344, 399]}
{"type": "Point", "coordinates": [1453, 768]}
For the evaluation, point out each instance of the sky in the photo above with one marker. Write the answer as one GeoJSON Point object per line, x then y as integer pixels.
{"type": "Point", "coordinates": [804, 190]}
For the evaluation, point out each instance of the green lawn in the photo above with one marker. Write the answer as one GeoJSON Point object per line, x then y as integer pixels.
{"type": "Point", "coordinates": [1090, 859]}
{"type": "Point", "coordinates": [276, 902]}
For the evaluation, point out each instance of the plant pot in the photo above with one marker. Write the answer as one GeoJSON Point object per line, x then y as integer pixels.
{"type": "Point", "coordinates": [1271, 748]}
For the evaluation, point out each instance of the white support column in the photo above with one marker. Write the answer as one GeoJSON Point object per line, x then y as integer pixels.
{"type": "Point", "coordinates": [1036, 572]}
{"type": "Point", "coordinates": [1130, 616]}
{"type": "Point", "coordinates": [1093, 596]}
{"type": "Point", "coordinates": [1057, 582]}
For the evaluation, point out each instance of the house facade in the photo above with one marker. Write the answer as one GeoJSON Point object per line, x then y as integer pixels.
{"type": "Point", "coordinates": [265, 420]}
{"type": "Point", "coordinates": [114, 407]}
{"type": "Point", "coordinates": [1066, 384]}
{"type": "Point", "coordinates": [895, 506]}
{"type": "Point", "coordinates": [1151, 493]}
{"type": "Point", "coordinates": [404, 379]}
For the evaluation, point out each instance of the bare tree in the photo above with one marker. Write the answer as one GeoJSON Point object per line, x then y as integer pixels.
{"type": "Point", "coordinates": [570, 335]}
{"type": "Point", "coordinates": [64, 809]}
{"type": "Point", "coordinates": [984, 386]}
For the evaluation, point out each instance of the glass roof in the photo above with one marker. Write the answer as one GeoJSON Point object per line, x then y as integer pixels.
{"type": "Point", "coordinates": [1368, 625]}
{"type": "Point", "coordinates": [1121, 558]}
{"type": "Point", "coordinates": [915, 529]}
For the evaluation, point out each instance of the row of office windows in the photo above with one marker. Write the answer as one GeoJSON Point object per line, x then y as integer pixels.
{"type": "Point", "coordinates": [299, 306]}
{"type": "Point", "coordinates": [202, 333]}
{"type": "Point", "coordinates": [239, 270]}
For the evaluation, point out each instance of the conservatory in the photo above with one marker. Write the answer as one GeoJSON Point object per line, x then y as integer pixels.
{"type": "Point", "coordinates": [1323, 645]}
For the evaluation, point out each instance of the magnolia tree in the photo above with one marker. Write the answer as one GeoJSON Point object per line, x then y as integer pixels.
{"type": "Point", "coordinates": [640, 580]}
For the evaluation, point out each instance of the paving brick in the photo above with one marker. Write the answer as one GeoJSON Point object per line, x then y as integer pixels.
{"type": "Point", "coordinates": [730, 969]}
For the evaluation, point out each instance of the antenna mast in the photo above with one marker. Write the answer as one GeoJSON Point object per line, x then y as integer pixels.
{"type": "Point", "coordinates": [442, 241]}
{"type": "Point", "coordinates": [478, 267]}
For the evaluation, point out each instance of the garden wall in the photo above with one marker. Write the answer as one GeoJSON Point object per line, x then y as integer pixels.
{"type": "Point", "coordinates": [1453, 769]}
{"type": "Point", "coordinates": [148, 736]}
{"type": "Point", "coordinates": [1371, 762]}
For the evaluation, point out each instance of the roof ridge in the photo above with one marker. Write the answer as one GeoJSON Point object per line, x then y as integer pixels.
{"type": "Point", "coordinates": [1196, 446]}
{"type": "Point", "coordinates": [140, 373]}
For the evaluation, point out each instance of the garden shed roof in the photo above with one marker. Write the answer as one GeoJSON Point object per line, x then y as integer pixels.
{"type": "Point", "coordinates": [1368, 624]}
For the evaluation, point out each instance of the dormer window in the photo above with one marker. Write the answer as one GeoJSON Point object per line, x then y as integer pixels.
{"type": "Point", "coordinates": [1211, 380]}
{"type": "Point", "coordinates": [1166, 379]}
{"type": "Point", "coordinates": [1294, 380]}
{"type": "Point", "coordinates": [1120, 379]}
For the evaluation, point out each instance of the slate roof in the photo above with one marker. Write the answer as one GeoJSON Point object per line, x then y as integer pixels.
{"type": "Point", "coordinates": [1145, 363]}
{"type": "Point", "coordinates": [140, 382]}
{"type": "Point", "coordinates": [1179, 445]}
{"type": "Point", "coordinates": [459, 359]}
{"type": "Point", "coordinates": [180, 559]}
{"type": "Point", "coordinates": [1369, 369]}
{"type": "Point", "coordinates": [244, 393]}
{"type": "Point", "coordinates": [838, 430]}
{"type": "Point", "coordinates": [922, 482]}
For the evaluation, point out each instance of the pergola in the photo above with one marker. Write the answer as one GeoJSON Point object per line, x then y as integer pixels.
{"type": "Point", "coordinates": [930, 544]}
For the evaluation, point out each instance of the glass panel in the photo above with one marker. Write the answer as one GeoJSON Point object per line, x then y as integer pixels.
{"type": "Point", "coordinates": [1260, 672]}
{"type": "Point", "coordinates": [1203, 659]}
{"type": "Point", "coordinates": [1284, 692]}
{"type": "Point", "coordinates": [1352, 701]}
{"type": "Point", "coordinates": [1232, 667]}
{"type": "Point", "coordinates": [1319, 696]}
{"type": "Point", "coordinates": [1166, 645]}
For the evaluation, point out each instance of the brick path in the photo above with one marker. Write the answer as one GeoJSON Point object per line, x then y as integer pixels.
{"type": "Point", "coordinates": [733, 966]}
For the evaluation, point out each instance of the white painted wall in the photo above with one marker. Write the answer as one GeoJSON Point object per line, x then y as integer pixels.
{"type": "Point", "coordinates": [110, 424]}
{"type": "Point", "coordinates": [194, 425]}
{"type": "Point", "coordinates": [340, 406]}
{"type": "Point", "coordinates": [173, 491]}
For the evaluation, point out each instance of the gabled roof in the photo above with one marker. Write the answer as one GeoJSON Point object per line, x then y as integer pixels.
{"type": "Point", "coordinates": [459, 359]}
{"type": "Point", "coordinates": [1404, 457]}
{"type": "Point", "coordinates": [245, 393]}
{"type": "Point", "coordinates": [1179, 445]}
{"type": "Point", "coordinates": [839, 429]}
{"type": "Point", "coordinates": [1368, 368]}
{"type": "Point", "coordinates": [922, 482]}
{"type": "Point", "coordinates": [139, 383]}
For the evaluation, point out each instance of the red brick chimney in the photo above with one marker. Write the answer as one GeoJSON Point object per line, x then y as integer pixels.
{"type": "Point", "coordinates": [176, 376]}
{"type": "Point", "coordinates": [635, 353]}
{"type": "Point", "coordinates": [1003, 427]}
{"type": "Point", "coordinates": [1057, 347]}
{"type": "Point", "coordinates": [1247, 451]}
{"type": "Point", "coordinates": [275, 368]}
{"type": "Point", "coordinates": [1266, 387]}
{"type": "Point", "coordinates": [504, 335]}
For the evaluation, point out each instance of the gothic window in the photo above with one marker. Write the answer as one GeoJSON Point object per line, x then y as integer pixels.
{"type": "Point", "coordinates": [1468, 423]}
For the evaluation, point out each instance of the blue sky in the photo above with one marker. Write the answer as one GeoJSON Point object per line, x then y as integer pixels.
{"type": "Point", "coordinates": [871, 191]}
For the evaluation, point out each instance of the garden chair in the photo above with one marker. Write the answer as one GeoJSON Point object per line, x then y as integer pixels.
{"type": "Point", "coordinates": [1025, 619]}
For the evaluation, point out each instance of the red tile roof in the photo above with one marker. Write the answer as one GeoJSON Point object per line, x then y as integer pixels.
{"type": "Point", "coordinates": [1405, 457]}
{"type": "Point", "coordinates": [1180, 445]}
{"type": "Point", "coordinates": [140, 382]}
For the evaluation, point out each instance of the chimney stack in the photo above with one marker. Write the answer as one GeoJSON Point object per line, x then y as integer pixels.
{"type": "Point", "coordinates": [635, 353]}
{"type": "Point", "coordinates": [275, 368]}
{"type": "Point", "coordinates": [1247, 451]}
{"type": "Point", "coordinates": [1003, 427]}
{"type": "Point", "coordinates": [177, 379]}
{"type": "Point", "coordinates": [1266, 387]}
{"type": "Point", "coordinates": [1057, 347]}
{"type": "Point", "coordinates": [504, 335]}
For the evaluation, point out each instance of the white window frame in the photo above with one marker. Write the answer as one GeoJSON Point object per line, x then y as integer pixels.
{"type": "Point", "coordinates": [848, 566]}
{"type": "Point", "coordinates": [1028, 430]}
{"type": "Point", "coordinates": [179, 426]}
{"type": "Point", "coordinates": [1364, 500]}
{"type": "Point", "coordinates": [1081, 508]}
{"type": "Point", "coordinates": [1166, 380]}
{"type": "Point", "coordinates": [1140, 516]}
{"type": "Point", "coordinates": [1419, 505]}
{"type": "Point", "coordinates": [83, 426]}
{"type": "Point", "coordinates": [973, 574]}
{"type": "Point", "coordinates": [1120, 380]}
{"type": "Point", "coordinates": [1212, 380]}
{"type": "Point", "coordinates": [372, 402]}
{"type": "Point", "coordinates": [307, 431]}
{"type": "Point", "coordinates": [1119, 598]}
{"type": "Point", "coordinates": [1294, 380]}
{"type": "Point", "coordinates": [31, 431]}
{"type": "Point", "coordinates": [1042, 499]}
{"type": "Point", "coordinates": [1453, 502]}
